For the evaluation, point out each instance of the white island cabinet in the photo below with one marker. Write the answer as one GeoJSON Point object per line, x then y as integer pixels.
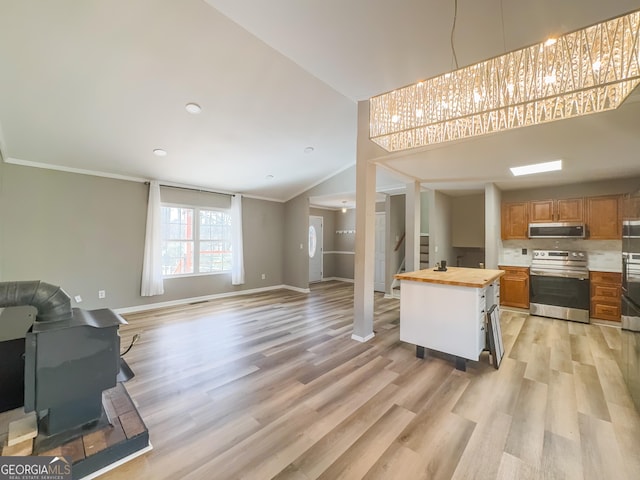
{"type": "Point", "coordinates": [446, 311]}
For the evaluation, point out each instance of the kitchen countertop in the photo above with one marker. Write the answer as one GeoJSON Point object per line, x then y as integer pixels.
{"type": "Point", "coordinates": [592, 268]}
{"type": "Point", "coordinates": [605, 269]}
{"type": "Point", "coordinates": [459, 276]}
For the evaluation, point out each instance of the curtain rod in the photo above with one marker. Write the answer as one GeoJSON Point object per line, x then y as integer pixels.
{"type": "Point", "coordinates": [194, 189]}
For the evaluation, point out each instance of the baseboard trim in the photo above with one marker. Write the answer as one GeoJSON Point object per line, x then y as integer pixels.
{"type": "Point", "coordinates": [338, 279]}
{"type": "Point", "coordinates": [296, 289]}
{"type": "Point", "coordinates": [363, 339]}
{"type": "Point", "coordinates": [204, 298]}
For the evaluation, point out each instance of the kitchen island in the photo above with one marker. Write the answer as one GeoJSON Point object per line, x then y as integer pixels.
{"type": "Point", "coordinates": [445, 311]}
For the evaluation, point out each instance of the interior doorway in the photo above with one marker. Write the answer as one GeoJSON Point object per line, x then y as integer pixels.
{"type": "Point", "coordinates": [315, 248]}
{"type": "Point", "coordinates": [380, 253]}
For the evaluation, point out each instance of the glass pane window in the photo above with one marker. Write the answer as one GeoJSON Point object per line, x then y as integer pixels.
{"type": "Point", "coordinates": [312, 241]}
{"type": "Point", "coordinates": [215, 241]}
{"type": "Point", "coordinates": [177, 258]}
{"type": "Point", "coordinates": [195, 240]}
{"type": "Point", "coordinates": [177, 240]}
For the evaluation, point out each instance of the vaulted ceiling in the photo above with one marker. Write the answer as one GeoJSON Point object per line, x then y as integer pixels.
{"type": "Point", "coordinates": [97, 86]}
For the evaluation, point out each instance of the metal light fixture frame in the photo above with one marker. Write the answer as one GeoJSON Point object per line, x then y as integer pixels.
{"type": "Point", "coordinates": [586, 71]}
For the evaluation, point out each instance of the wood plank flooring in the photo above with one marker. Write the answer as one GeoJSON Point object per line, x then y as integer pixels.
{"type": "Point", "coordinates": [272, 386]}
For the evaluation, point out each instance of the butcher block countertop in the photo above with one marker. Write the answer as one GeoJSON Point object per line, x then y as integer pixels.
{"type": "Point", "coordinates": [462, 277]}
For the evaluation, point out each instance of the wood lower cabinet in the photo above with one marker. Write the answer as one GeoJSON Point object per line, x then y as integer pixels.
{"type": "Point", "coordinates": [605, 295]}
{"type": "Point", "coordinates": [603, 218]}
{"type": "Point", "coordinates": [514, 287]}
{"type": "Point", "coordinates": [515, 221]}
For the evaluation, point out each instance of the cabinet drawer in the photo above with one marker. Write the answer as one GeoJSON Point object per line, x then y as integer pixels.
{"type": "Point", "coordinates": [606, 277]}
{"type": "Point", "coordinates": [605, 311]}
{"type": "Point", "coordinates": [482, 300]}
{"type": "Point", "coordinates": [609, 292]}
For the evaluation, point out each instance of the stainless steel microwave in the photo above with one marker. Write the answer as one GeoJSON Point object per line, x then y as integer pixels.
{"type": "Point", "coordinates": [557, 230]}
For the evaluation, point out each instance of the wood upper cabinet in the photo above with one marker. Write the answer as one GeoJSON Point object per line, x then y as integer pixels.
{"type": "Point", "coordinates": [604, 217]}
{"type": "Point", "coordinates": [605, 295]}
{"type": "Point", "coordinates": [630, 207]}
{"type": "Point", "coordinates": [514, 287]}
{"type": "Point", "coordinates": [565, 210]}
{"type": "Point", "coordinates": [514, 220]}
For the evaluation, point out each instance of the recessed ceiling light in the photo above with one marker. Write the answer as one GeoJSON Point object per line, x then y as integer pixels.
{"type": "Point", "coordinates": [537, 168]}
{"type": "Point", "coordinates": [344, 206]}
{"type": "Point", "coordinates": [308, 149]}
{"type": "Point", "coordinates": [158, 152]}
{"type": "Point", "coordinates": [193, 108]}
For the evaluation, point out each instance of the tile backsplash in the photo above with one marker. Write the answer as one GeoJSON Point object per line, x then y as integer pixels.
{"type": "Point", "coordinates": [603, 255]}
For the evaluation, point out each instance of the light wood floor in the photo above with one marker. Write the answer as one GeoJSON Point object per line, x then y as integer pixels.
{"type": "Point", "coordinates": [272, 386]}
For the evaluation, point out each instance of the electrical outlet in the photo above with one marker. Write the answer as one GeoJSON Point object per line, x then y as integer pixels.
{"type": "Point", "coordinates": [264, 275]}
{"type": "Point", "coordinates": [78, 299]}
{"type": "Point", "coordinates": [524, 251]}
{"type": "Point", "coordinates": [102, 294]}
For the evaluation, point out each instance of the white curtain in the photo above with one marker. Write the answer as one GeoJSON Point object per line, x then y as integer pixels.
{"type": "Point", "coordinates": [237, 267]}
{"type": "Point", "coordinates": [152, 283]}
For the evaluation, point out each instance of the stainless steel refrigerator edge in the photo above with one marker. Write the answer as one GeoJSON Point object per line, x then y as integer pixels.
{"type": "Point", "coordinates": [631, 263]}
{"type": "Point", "coordinates": [630, 333]}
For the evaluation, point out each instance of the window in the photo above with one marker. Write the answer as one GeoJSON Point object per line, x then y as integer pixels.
{"type": "Point", "coordinates": [177, 240]}
{"type": "Point", "coordinates": [215, 241]}
{"type": "Point", "coordinates": [312, 241]}
{"type": "Point", "coordinates": [195, 240]}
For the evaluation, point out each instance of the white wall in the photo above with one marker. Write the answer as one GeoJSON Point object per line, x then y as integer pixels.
{"type": "Point", "coordinates": [440, 229]}
{"type": "Point", "coordinates": [86, 233]}
{"type": "Point", "coordinates": [424, 213]}
{"type": "Point", "coordinates": [468, 221]}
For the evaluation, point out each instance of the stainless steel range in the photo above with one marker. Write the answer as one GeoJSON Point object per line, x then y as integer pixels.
{"type": "Point", "coordinates": [559, 285]}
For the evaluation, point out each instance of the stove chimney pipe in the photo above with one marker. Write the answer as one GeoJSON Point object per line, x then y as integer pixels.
{"type": "Point", "coordinates": [52, 302]}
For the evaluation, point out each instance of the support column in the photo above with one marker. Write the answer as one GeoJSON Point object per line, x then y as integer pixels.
{"type": "Point", "coordinates": [364, 264]}
{"type": "Point", "coordinates": [364, 268]}
{"type": "Point", "coordinates": [492, 240]}
{"type": "Point", "coordinates": [412, 227]}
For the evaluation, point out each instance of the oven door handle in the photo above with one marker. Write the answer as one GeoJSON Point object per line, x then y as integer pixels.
{"type": "Point", "coordinates": [553, 273]}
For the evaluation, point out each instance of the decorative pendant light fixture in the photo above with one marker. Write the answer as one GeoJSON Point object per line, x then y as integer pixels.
{"type": "Point", "coordinates": [586, 71]}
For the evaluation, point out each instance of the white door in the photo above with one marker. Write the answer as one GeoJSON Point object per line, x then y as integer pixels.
{"type": "Point", "coordinates": [315, 249]}
{"type": "Point", "coordinates": [380, 256]}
